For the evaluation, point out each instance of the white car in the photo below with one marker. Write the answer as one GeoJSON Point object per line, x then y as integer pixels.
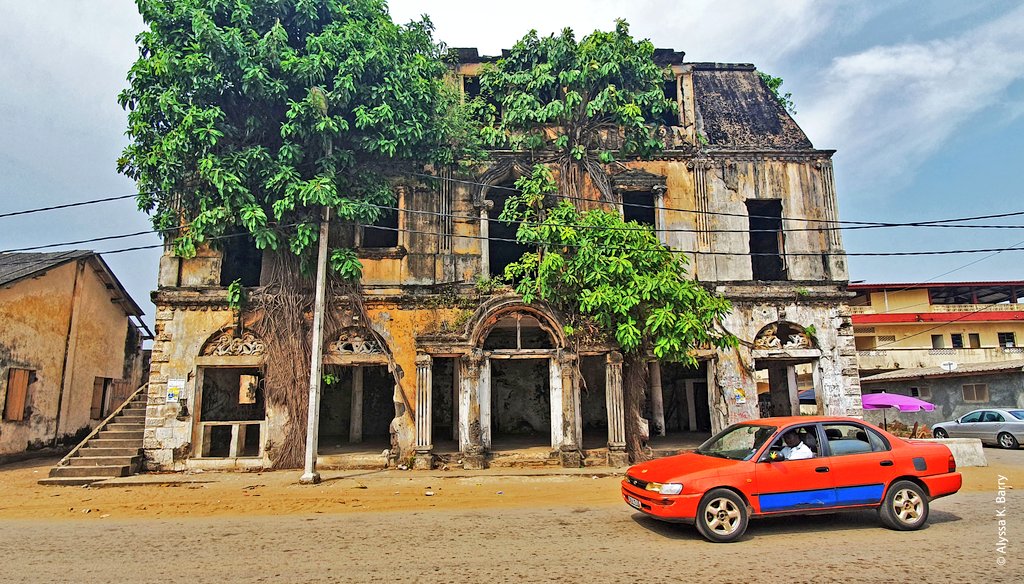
{"type": "Point", "coordinates": [1004, 428]}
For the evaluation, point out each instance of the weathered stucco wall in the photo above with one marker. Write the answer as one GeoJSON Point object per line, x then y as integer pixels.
{"type": "Point", "coordinates": [1005, 390]}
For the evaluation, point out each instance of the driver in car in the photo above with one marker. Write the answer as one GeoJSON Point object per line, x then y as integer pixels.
{"type": "Point", "coordinates": [795, 449]}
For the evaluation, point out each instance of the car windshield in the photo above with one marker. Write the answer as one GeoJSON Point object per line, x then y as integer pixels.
{"type": "Point", "coordinates": [737, 442]}
{"type": "Point", "coordinates": [1019, 414]}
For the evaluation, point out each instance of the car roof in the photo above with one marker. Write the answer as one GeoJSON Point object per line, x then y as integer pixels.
{"type": "Point", "coordinates": [787, 420]}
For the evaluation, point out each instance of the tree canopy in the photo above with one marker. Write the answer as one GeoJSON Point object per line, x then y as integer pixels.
{"type": "Point", "coordinates": [615, 273]}
{"type": "Point", "coordinates": [584, 101]}
{"type": "Point", "coordinates": [255, 113]}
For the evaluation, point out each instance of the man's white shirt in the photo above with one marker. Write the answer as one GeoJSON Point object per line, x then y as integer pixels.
{"type": "Point", "coordinates": [798, 452]}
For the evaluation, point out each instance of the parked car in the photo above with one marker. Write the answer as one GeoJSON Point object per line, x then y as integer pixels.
{"type": "Point", "coordinates": [741, 473]}
{"type": "Point", "coordinates": [992, 426]}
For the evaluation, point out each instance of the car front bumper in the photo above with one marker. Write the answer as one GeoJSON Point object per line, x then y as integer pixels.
{"type": "Point", "coordinates": [676, 508]}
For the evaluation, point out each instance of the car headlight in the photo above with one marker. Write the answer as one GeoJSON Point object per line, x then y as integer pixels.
{"type": "Point", "coordinates": [665, 488]}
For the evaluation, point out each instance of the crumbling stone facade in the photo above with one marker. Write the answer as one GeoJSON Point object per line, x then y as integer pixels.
{"type": "Point", "coordinates": [469, 368]}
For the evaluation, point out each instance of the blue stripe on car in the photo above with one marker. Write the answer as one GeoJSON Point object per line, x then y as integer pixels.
{"type": "Point", "coordinates": [860, 495]}
{"type": "Point", "coordinates": [798, 500]}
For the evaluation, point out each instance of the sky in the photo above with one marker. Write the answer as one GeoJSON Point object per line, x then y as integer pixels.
{"type": "Point", "coordinates": [922, 101]}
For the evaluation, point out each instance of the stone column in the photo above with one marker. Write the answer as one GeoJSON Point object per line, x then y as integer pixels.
{"type": "Point", "coordinates": [563, 371]}
{"type": "Point", "coordinates": [616, 406]}
{"type": "Point", "coordinates": [424, 458]}
{"type": "Point", "coordinates": [470, 430]}
{"type": "Point", "coordinates": [657, 399]}
{"type": "Point", "coordinates": [355, 426]}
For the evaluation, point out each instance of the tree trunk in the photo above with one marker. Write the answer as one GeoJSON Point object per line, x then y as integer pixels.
{"type": "Point", "coordinates": [634, 389]}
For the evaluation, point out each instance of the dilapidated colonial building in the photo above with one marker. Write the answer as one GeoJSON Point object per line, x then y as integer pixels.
{"type": "Point", "coordinates": [443, 363]}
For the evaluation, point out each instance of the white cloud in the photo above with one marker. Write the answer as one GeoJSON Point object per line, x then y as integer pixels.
{"type": "Point", "coordinates": [722, 30]}
{"type": "Point", "coordinates": [889, 108]}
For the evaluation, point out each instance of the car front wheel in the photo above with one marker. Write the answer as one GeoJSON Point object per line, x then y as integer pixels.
{"type": "Point", "coordinates": [721, 516]}
{"type": "Point", "coordinates": [1006, 440]}
{"type": "Point", "coordinates": [940, 433]}
{"type": "Point", "coordinates": [905, 507]}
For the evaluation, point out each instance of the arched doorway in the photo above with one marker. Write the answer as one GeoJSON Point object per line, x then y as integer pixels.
{"type": "Point", "coordinates": [520, 355]}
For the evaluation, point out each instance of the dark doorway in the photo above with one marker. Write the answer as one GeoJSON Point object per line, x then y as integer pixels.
{"type": "Point", "coordinates": [766, 239]}
{"type": "Point", "coordinates": [356, 409]}
{"type": "Point", "coordinates": [593, 407]}
{"type": "Point", "coordinates": [231, 412]}
{"type": "Point", "coordinates": [444, 432]}
{"type": "Point", "coordinates": [520, 403]}
{"type": "Point", "coordinates": [685, 398]}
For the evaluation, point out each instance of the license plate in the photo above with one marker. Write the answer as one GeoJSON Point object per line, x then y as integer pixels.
{"type": "Point", "coordinates": [633, 502]}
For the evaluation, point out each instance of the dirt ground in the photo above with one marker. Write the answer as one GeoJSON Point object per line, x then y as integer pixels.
{"type": "Point", "coordinates": [398, 526]}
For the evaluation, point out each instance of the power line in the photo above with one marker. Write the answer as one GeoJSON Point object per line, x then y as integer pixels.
{"type": "Point", "coordinates": [68, 205]}
{"type": "Point", "coordinates": [929, 223]}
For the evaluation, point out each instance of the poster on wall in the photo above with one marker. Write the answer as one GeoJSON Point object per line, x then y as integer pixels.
{"type": "Point", "coordinates": [175, 387]}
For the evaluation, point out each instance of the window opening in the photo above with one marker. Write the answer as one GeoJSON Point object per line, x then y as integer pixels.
{"type": "Point", "coordinates": [232, 412]}
{"type": "Point", "coordinates": [16, 404]}
{"type": "Point", "coordinates": [975, 392]}
{"type": "Point", "coordinates": [937, 342]}
{"type": "Point", "coordinates": [383, 232]}
{"type": "Point", "coordinates": [242, 260]}
{"type": "Point", "coordinates": [956, 340]}
{"type": "Point", "coordinates": [639, 207]}
{"type": "Point", "coordinates": [1007, 339]}
{"type": "Point", "coordinates": [502, 247]}
{"type": "Point", "coordinates": [766, 239]}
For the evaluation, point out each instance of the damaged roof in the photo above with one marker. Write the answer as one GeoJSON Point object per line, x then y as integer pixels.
{"type": "Point", "coordinates": [739, 112]}
{"type": "Point", "coordinates": [17, 266]}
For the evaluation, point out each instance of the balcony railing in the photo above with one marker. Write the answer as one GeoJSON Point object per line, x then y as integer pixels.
{"type": "Point", "coordinates": [899, 357]}
{"type": "Point", "coordinates": [957, 308]}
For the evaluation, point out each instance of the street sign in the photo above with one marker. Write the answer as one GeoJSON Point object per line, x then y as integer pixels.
{"type": "Point", "coordinates": [948, 366]}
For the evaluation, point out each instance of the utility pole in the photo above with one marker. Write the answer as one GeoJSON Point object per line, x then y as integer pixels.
{"type": "Point", "coordinates": [310, 476]}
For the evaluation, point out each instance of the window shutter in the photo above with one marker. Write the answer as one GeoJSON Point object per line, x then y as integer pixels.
{"type": "Point", "coordinates": [96, 411]}
{"type": "Point", "coordinates": [17, 394]}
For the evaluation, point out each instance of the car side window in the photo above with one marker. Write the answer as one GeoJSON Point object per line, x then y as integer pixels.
{"type": "Point", "coordinates": [846, 439]}
{"type": "Point", "coordinates": [878, 442]}
{"type": "Point", "coordinates": [992, 417]}
{"type": "Point", "coordinates": [971, 417]}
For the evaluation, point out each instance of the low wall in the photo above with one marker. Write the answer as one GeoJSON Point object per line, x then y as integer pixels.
{"type": "Point", "coordinates": [966, 451]}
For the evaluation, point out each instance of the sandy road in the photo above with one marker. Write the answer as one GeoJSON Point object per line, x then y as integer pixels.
{"type": "Point", "coordinates": [384, 528]}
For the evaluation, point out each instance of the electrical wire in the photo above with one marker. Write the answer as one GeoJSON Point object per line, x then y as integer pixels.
{"type": "Point", "coordinates": [69, 205]}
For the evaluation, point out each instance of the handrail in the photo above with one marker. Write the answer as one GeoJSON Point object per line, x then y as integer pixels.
{"type": "Point", "coordinates": [101, 425]}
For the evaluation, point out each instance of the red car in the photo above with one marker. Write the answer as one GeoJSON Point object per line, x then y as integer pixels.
{"type": "Point", "coordinates": [830, 464]}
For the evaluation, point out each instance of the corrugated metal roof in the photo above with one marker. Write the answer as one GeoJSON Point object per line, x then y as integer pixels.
{"type": "Point", "coordinates": [15, 266]}
{"type": "Point", "coordinates": [965, 369]}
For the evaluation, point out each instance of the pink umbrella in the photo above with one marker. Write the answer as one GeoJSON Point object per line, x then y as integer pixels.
{"type": "Point", "coordinates": [883, 401]}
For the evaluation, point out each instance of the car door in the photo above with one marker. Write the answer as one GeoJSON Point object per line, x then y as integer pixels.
{"type": "Point", "coordinates": [966, 427]}
{"type": "Point", "coordinates": [793, 485]}
{"type": "Point", "coordinates": [989, 426]}
{"type": "Point", "coordinates": [860, 462]}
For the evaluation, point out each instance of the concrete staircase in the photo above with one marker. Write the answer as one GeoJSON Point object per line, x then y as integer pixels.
{"type": "Point", "coordinates": [114, 449]}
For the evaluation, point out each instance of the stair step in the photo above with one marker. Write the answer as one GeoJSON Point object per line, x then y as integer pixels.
{"type": "Point", "coordinates": [70, 481]}
{"type": "Point", "coordinates": [104, 460]}
{"type": "Point", "coordinates": [120, 434]}
{"type": "Point", "coordinates": [130, 411]}
{"type": "Point", "coordinates": [123, 419]}
{"type": "Point", "coordinates": [104, 442]}
{"type": "Point", "coordinates": [110, 470]}
{"type": "Point", "coordinates": [89, 451]}
{"type": "Point", "coordinates": [119, 426]}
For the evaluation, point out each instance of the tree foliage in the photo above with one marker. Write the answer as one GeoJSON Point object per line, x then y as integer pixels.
{"type": "Point", "coordinates": [585, 101]}
{"type": "Point", "coordinates": [619, 277]}
{"type": "Point", "coordinates": [255, 113]}
{"type": "Point", "coordinates": [613, 272]}
{"type": "Point", "coordinates": [775, 86]}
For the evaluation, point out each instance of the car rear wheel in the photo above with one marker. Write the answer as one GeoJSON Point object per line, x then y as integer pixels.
{"type": "Point", "coordinates": [721, 516]}
{"type": "Point", "coordinates": [905, 507]}
{"type": "Point", "coordinates": [940, 433]}
{"type": "Point", "coordinates": [1006, 440]}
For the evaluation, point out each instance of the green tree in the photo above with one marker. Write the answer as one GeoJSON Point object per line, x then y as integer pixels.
{"type": "Point", "coordinates": [580, 104]}
{"type": "Point", "coordinates": [775, 86]}
{"type": "Point", "coordinates": [618, 276]}
{"type": "Point", "coordinates": [252, 115]}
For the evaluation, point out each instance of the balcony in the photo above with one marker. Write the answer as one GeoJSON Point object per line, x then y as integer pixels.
{"type": "Point", "coordinates": [892, 358]}
{"type": "Point", "coordinates": [954, 308]}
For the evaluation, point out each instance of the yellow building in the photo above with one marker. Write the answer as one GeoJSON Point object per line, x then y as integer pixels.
{"type": "Point", "coordinates": [70, 340]}
{"type": "Point", "coordinates": [909, 326]}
